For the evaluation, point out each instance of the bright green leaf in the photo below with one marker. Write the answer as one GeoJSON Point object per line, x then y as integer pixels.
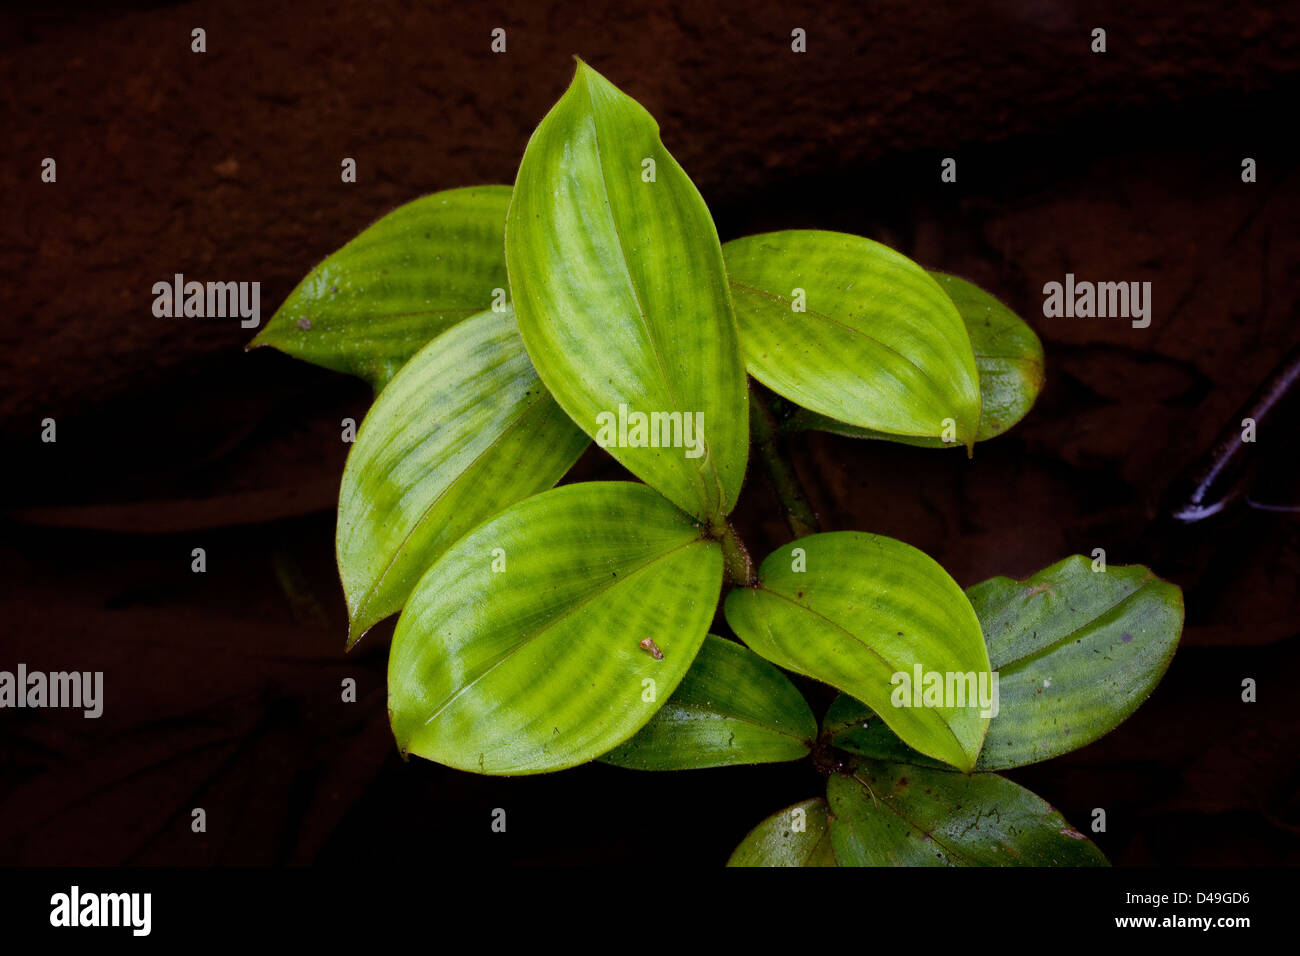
{"type": "Point", "coordinates": [520, 651]}
{"type": "Point", "coordinates": [617, 278]}
{"type": "Point", "coordinates": [732, 707]}
{"type": "Point", "coordinates": [854, 610]}
{"type": "Point", "coordinates": [463, 430]}
{"type": "Point", "coordinates": [796, 836]}
{"type": "Point", "coordinates": [889, 814]}
{"type": "Point", "coordinates": [416, 272]}
{"type": "Point", "coordinates": [855, 331]}
{"type": "Point", "coordinates": [1076, 652]}
{"type": "Point", "coordinates": [1008, 355]}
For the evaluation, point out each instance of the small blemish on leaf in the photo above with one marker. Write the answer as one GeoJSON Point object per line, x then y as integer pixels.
{"type": "Point", "coordinates": [304, 323]}
{"type": "Point", "coordinates": [1127, 637]}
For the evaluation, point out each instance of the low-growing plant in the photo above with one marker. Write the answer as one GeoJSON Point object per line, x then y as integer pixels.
{"type": "Point", "coordinates": [503, 329]}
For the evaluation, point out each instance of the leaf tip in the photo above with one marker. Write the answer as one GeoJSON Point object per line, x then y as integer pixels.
{"type": "Point", "coordinates": [357, 629]}
{"type": "Point", "coordinates": [589, 75]}
{"type": "Point", "coordinates": [258, 340]}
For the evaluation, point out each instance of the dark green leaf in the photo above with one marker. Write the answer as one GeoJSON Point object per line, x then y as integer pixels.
{"type": "Point", "coordinates": [896, 815]}
{"type": "Point", "coordinates": [796, 836]}
{"type": "Point", "coordinates": [732, 707]}
{"type": "Point", "coordinates": [1076, 652]}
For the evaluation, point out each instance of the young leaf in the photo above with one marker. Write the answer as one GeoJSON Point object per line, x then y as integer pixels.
{"type": "Point", "coordinates": [617, 277]}
{"type": "Point", "coordinates": [852, 330]}
{"type": "Point", "coordinates": [416, 272]}
{"type": "Point", "coordinates": [463, 430]}
{"type": "Point", "coordinates": [1008, 355]}
{"type": "Point", "coordinates": [796, 836]}
{"type": "Point", "coordinates": [732, 707]}
{"type": "Point", "coordinates": [1076, 652]}
{"type": "Point", "coordinates": [520, 651]}
{"type": "Point", "coordinates": [854, 610]}
{"type": "Point", "coordinates": [889, 814]}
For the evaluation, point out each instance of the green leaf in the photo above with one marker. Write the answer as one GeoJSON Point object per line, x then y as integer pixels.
{"type": "Point", "coordinates": [622, 297]}
{"type": "Point", "coordinates": [1008, 355]}
{"type": "Point", "coordinates": [868, 608]}
{"type": "Point", "coordinates": [732, 707]}
{"type": "Point", "coordinates": [889, 814]}
{"type": "Point", "coordinates": [1076, 651]}
{"type": "Point", "coordinates": [854, 331]}
{"type": "Point", "coordinates": [463, 430]}
{"type": "Point", "coordinates": [413, 274]}
{"type": "Point", "coordinates": [796, 836]}
{"type": "Point", "coordinates": [853, 726]}
{"type": "Point", "coordinates": [520, 650]}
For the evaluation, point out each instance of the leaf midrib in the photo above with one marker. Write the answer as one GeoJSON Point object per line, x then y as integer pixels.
{"type": "Point", "coordinates": [1048, 648]}
{"type": "Point", "coordinates": [528, 638]}
{"type": "Point", "coordinates": [678, 406]}
{"type": "Point", "coordinates": [887, 801]}
{"type": "Point", "coordinates": [961, 748]}
{"type": "Point", "coordinates": [524, 414]}
{"type": "Point", "coordinates": [934, 383]}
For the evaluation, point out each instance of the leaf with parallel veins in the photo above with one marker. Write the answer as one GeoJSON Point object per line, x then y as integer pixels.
{"type": "Point", "coordinates": [415, 273]}
{"type": "Point", "coordinates": [520, 650]}
{"type": "Point", "coordinates": [863, 609]}
{"type": "Point", "coordinates": [732, 708]}
{"type": "Point", "coordinates": [1076, 652]}
{"type": "Point", "coordinates": [618, 282]}
{"type": "Point", "coordinates": [887, 814]}
{"type": "Point", "coordinates": [463, 430]}
{"type": "Point", "coordinates": [1009, 357]}
{"type": "Point", "coordinates": [854, 331]}
{"type": "Point", "coordinates": [796, 836]}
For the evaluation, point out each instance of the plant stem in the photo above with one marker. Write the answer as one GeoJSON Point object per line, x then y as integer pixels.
{"type": "Point", "coordinates": [771, 451]}
{"type": "Point", "coordinates": [735, 558]}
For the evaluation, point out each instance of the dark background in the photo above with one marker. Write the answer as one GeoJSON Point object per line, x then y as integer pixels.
{"type": "Point", "coordinates": [222, 689]}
